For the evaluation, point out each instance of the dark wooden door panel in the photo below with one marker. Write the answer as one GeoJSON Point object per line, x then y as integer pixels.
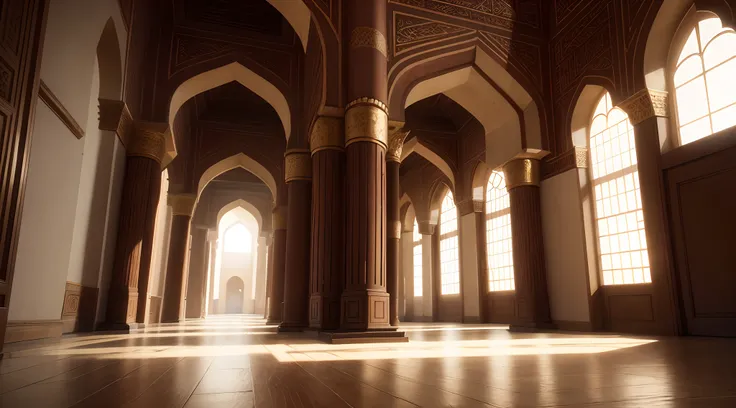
{"type": "Point", "coordinates": [703, 208]}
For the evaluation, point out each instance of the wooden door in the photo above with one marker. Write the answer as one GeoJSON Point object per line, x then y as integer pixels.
{"type": "Point", "coordinates": [21, 40]}
{"type": "Point", "coordinates": [702, 199]}
{"type": "Point", "coordinates": [234, 295]}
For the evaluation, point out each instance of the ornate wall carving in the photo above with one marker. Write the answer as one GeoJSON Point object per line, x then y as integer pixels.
{"type": "Point", "coordinates": [504, 14]}
{"type": "Point", "coordinates": [413, 31]}
{"type": "Point", "coordinates": [367, 37]}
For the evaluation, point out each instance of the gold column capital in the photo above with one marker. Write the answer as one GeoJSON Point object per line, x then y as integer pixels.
{"type": "Point", "coordinates": [149, 140]}
{"type": "Point", "coordinates": [279, 218]}
{"type": "Point", "coordinates": [397, 135]}
{"type": "Point", "coordinates": [297, 165]}
{"type": "Point", "coordinates": [327, 134]}
{"type": "Point", "coordinates": [645, 104]}
{"type": "Point", "coordinates": [366, 120]}
{"type": "Point", "coordinates": [369, 37]}
{"type": "Point", "coordinates": [182, 204]}
{"type": "Point", "coordinates": [522, 172]}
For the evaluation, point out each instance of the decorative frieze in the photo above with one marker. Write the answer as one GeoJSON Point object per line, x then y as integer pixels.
{"type": "Point", "coordinates": [297, 165]}
{"type": "Point", "coordinates": [149, 140]}
{"type": "Point", "coordinates": [182, 204]}
{"type": "Point", "coordinates": [368, 37]}
{"type": "Point", "coordinates": [646, 104]}
{"type": "Point", "coordinates": [522, 172]}
{"type": "Point", "coordinates": [327, 134]}
{"type": "Point", "coordinates": [396, 138]}
{"type": "Point", "coordinates": [575, 158]}
{"type": "Point", "coordinates": [366, 121]}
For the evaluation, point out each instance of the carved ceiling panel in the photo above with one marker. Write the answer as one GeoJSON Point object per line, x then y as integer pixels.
{"type": "Point", "coordinates": [504, 14]}
{"type": "Point", "coordinates": [414, 31]}
{"type": "Point", "coordinates": [253, 15]}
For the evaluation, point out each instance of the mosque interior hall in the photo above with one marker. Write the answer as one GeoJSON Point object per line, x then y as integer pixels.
{"type": "Point", "coordinates": [367, 203]}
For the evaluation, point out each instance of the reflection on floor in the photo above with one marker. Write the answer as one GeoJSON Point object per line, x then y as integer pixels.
{"type": "Point", "coordinates": [238, 361]}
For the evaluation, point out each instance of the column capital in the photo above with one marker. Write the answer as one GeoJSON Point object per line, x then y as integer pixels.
{"type": "Point", "coordinates": [182, 204]}
{"type": "Point", "coordinates": [426, 227]}
{"type": "Point", "coordinates": [397, 134]}
{"type": "Point", "coordinates": [279, 218]}
{"type": "Point", "coordinates": [466, 207]}
{"type": "Point", "coordinates": [645, 104]}
{"type": "Point", "coordinates": [327, 134]}
{"type": "Point", "coordinates": [212, 235]}
{"type": "Point", "coordinates": [115, 117]}
{"type": "Point", "coordinates": [297, 165]}
{"type": "Point", "coordinates": [522, 172]}
{"type": "Point", "coordinates": [140, 138]}
{"type": "Point", "coordinates": [149, 140]}
{"type": "Point", "coordinates": [366, 120]}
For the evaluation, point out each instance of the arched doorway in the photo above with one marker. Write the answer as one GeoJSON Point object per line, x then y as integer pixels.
{"type": "Point", "coordinates": [234, 295]}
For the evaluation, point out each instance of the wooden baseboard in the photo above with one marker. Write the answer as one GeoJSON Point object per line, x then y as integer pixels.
{"type": "Point", "coordinates": [24, 330]}
{"type": "Point", "coordinates": [570, 325]}
{"type": "Point", "coordinates": [471, 319]}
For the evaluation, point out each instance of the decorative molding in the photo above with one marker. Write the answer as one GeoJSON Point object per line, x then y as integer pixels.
{"type": "Point", "coordinates": [182, 204]}
{"type": "Point", "coordinates": [471, 206]}
{"type": "Point", "coordinates": [412, 31]}
{"type": "Point", "coordinates": [426, 227]}
{"type": "Point", "coordinates": [297, 165]}
{"type": "Point", "coordinates": [115, 117]}
{"type": "Point", "coordinates": [522, 172]}
{"type": "Point", "coordinates": [368, 37]}
{"type": "Point", "coordinates": [366, 123]}
{"type": "Point", "coordinates": [396, 138]}
{"type": "Point", "coordinates": [575, 158]}
{"type": "Point", "coordinates": [279, 218]}
{"type": "Point", "coordinates": [149, 140]}
{"type": "Point", "coordinates": [645, 104]}
{"type": "Point", "coordinates": [327, 134]}
{"type": "Point", "coordinates": [59, 110]}
{"type": "Point", "coordinates": [367, 101]}
{"type": "Point", "coordinates": [24, 330]}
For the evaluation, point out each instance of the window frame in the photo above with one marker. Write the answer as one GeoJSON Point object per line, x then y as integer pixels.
{"type": "Point", "coordinates": [487, 219]}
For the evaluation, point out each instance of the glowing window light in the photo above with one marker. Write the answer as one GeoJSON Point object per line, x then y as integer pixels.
{"type": "Point", "coordinates": [238, 239]}
{"type": "Point", "coordinates": [417, 260]}
{"type": "Point", "coordinates": [449, 256]}
{"type": "Point", "coordinates": [498, 234]}
{"type": "Point", "coordinates": [622, 240]}
{"type": "Point", "coordinates": [705, 81]}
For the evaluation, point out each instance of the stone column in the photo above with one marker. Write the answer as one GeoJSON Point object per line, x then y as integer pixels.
{"type": "Point", "coordinates": [530, 276]}
{"type": "Point", "coordinates": [262, 259]}
{"type": "Point", "coordinates": [393, 222]}
{"type": "Point", "coordinates": [327, 265]}
{"type": "Point", "coordinates": [197, 279]}
{"type": "Point", "coordinates": [146, 149]}
{"type": "Point", "coordinates": [182, 206]}
{"type": "Point", "coordinates": [365, 302]}
{"type": "Point", "coordinates": [278, 266]}
{"type": "Point", "coordinates": [298, 173]}
{"type": "Point", "coordinates": [211, 265]}
{"type": "Point", "coordinates": [269, 276]}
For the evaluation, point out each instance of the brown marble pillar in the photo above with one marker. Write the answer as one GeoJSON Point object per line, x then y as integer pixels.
{"type": "Point", "coordinates": [530, 276]}
{"type": "Point", "coordinates": [365, 302]}
{"type": "Point", "coordinates": [197, 279]}
{"type": "Point", "coordinates": [181, 206]}
{"type": "Point", "coordinates": [327, 265]}
{"type": "Point", "coordinates": [393, 222]}
{"type": "Point", "coordinates": [298, 173]}
{"type": "Point", "coordinates": [278, 265]}
{"type": "Point", "coordinates": [129, 282]}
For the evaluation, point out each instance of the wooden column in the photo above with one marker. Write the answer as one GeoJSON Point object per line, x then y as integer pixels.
{"type": "Point", "coordinates": [522, 182]}
{"type": "Point", "coordinates": [146, 148]}
{"type": "Point", "coordinates": [393, 222]}
{"type": "Point", "coordinates": [182, 206]}
{"type": "Point", "coordinates": [327, 265]}
{"type": "Point", "coordinates": [197, 279]}
{"type": "Point", "coordinates": [365, 302]}
{"type": "Point", "coordinates": [298, 173]}
{"type": "Point", "coordinates": [278, 266]}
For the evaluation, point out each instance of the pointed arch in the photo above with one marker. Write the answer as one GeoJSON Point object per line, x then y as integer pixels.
{"type": "Point", "coordinates": [240, 203]}
{"type": "Point", "coordinates": [228, 73]}
{"type": "Point", "coordinates": [243, 161]}
{"type": "Point", "coordinates": [581, 115]}
{"type": "Point", "coordinates": [414, 145]}
{"type": "Point", "coordinates": [109, 62]}
{"type": "Point", "coordinates": [298, 15]}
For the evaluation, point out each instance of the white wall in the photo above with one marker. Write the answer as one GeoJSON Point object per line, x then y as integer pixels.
{"type": "Point", "coordinates": [564, 247]}
{"type": "Point", "coordinates": [407, 272]}
{"type": "Point", "coordinates": [469, 267]}
{"type": "Point", "coordinates": [425, 302]}
{"type": "Point", "coordinates": [240, 265]}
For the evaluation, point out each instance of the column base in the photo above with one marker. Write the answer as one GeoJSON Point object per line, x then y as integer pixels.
{"type": "Point", "coordinates": [365, 311]}
{"type": "Point", "coordinates": [531, 327]}
{"type": "Point", "coordinates": [324, 312]}
{"type": "Point", "coordinates": [376, 336]}
{"type": "Point", "coordinates": [273, 321]}
{"type": "Point", "coordinates": [120, 327]}
{"type": "Point", "coordinates": [291, 328]}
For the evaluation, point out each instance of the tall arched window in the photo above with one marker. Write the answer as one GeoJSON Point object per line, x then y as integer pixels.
{"type": "Point", "coordinates": [705, 81]}
{"type": "Point", "coordinates": [417, 260]}
{"type": "Point", "coordinates": [449, 258]}
{"type": "Point", "coordinates": [238, 239]}
{"type": "Point", "coordinates": [498, 234]}
{"type": "Point", "coordinates": [622, 240]}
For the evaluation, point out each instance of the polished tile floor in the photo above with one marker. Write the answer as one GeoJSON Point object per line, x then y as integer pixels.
{"type": "Point", "coordinates": [238, 361]}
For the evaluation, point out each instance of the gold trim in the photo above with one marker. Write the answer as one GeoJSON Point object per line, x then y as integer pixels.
{"type": "Point", "coordinates": [279, 217]}
{"type": "Point", "coordinates": [297, 165]}
{"type": "Point", "coordinates": [366, 123]}
{"type": "Point", "coordinates": [327, 134]}
{"type": "Point", "coordinates": [581, 157]}
{"type": "Point", "coordinates": [522, 172]}
{"type": "Point", "coordinates": [396, 138]}
{"type": "Point", "coordinates": [182, 204]}
{"type": "Point", "coordinates": [364, 100]}
{"type": "Point", "coordinates": [59, 110]}
{"type": "Point", "coordinates": [645, 104]}
{"type": "Point", "coordinates": [369, 37]}
{"type": "Point", "coordinates": [115, 117]}
{"type": "Point", "coordinates": [149, 140]}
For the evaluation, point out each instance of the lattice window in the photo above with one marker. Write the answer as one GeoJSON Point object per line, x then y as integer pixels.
{"type": "Point", "coordinates": [449, 257]}
{"type": "Point", "coordinates": [705, 81]}
{"type": "Point", "coordinates": [498, 234]}
{"type": "Point", "coordinates": [622, 240]}
{"type": "Point", "coordinates": [418, 271]}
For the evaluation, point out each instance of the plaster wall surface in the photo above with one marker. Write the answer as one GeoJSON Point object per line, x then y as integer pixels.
{"type": "Point", "coordinates": [427, 283]}
{"type": "Point", "coordinates": [469, 267]}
